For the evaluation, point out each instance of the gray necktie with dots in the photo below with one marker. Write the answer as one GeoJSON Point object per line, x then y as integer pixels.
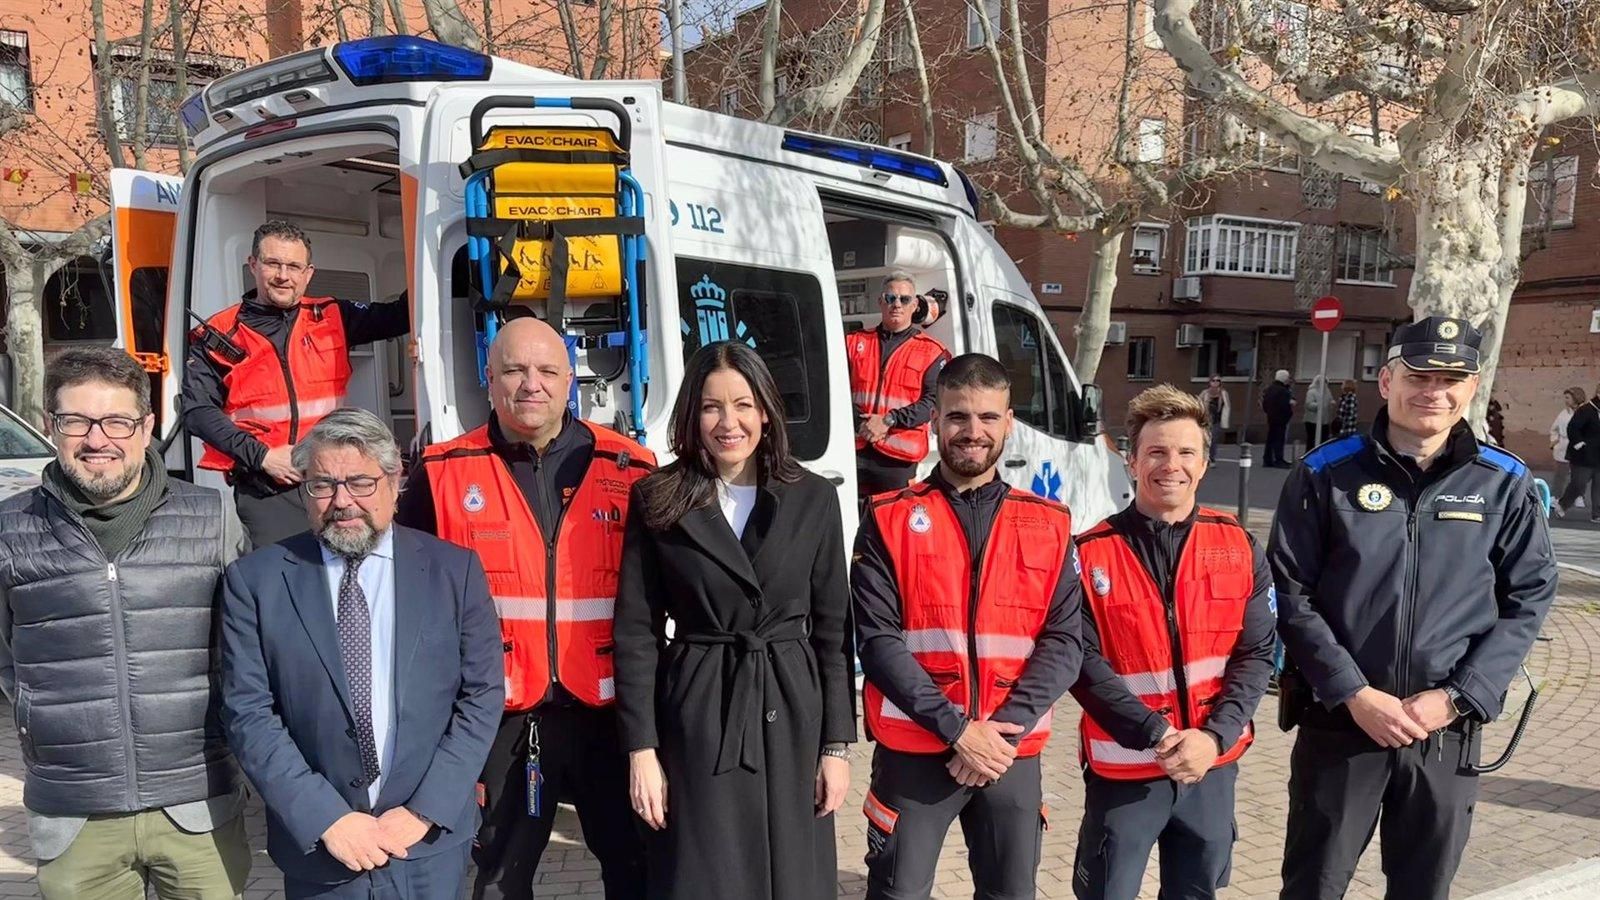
{"type": "Point", "coordinates": [355, 645]}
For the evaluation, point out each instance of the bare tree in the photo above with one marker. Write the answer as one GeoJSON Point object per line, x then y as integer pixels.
{"type": "Point", "coordinates": [1087, 189]}
{"type": "Point", "coordinates": [1471, 86]}
{"type": "Point", "coordinates": [829, 93]}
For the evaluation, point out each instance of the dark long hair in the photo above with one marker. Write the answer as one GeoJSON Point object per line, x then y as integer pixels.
{"type": "Point", "coordinates": [689, 482]}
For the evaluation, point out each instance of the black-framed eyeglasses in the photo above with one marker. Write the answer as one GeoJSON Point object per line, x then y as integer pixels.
{"type": "Point", "coordinates": [356, 485]}
{"type": "Point", "coordinates": [898, 299]}
{"type": "Point", "coordinates": [117, 428]}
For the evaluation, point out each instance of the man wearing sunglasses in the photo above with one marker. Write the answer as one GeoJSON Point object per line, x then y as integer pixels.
{"type": "Point", "coordinates": [263, 371]}
{"type": "Point", "coordinates": [893, 371]}
{"type": "Point", "coordinates": [108, 574]}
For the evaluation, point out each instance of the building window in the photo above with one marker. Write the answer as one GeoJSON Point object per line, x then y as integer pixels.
{"type": "Point", "coordinates": [1364, 255]}
{"type": "Point", "coordinates": [901, 53]}
{"type": "Point", "coordinates": [162, 124]}
{"type": "Point", "coordinates": [1152, 140]}
{"type": "Point", "coordinates": [989, 9]}
{"type": "Point", "coordinates": [869, 88]}
{"type": "Point", "coordinates": [1552, 192]}
{"type": "Point", "coordinates": [900, 142]}
{"type": "Point", "coordinates": [1223, 245]}
{"type": "Point", "coordinates": [1149, 245]}
{"type": "Point", "coordinates": [1261, 149]}
{"type": "Point", "coordinates": [982, 135]}
{"type": "Point", "coordinates": [780, 84]}
{"type": "Point", "coordinates": [16, 83]}
{"type": "Point", "coordinates": [1371, 361]}
{"type": "Point", "coordinates": [1342, 347]}
{"type": "Point", "coordinates": [1291, 22]}
{"type": "Point", "coordinates": [1141, 359]}
{"type": "Point", "coordinates": [868, 133]}
{"type": "Point", "coordinates": [1229, 352]}
{"type": "Point", "coordinates": [730, 102]}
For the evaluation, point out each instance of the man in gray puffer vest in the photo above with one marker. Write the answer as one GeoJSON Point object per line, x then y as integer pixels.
{"type": "Point", "coordinates": [108, 575]}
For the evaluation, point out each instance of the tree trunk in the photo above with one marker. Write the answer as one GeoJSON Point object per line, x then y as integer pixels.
{"type": "Point", "coordinates": [914, 35]}
{"type": "Point", "coordinates": [26, 277]}
{"type": "Point", "coordinates": [180, 70]}
{"type": "Point", "coordinates": [1096, 316]}
{"type": "Point", "coordinates": [449, 24]}
{"type": "Point", "coordinates": [377, 24]}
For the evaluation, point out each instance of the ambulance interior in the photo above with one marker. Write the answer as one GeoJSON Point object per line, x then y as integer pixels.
{"type": "Point", "coordinates": [346, 197]}
{"type": "Point", "coordinates": [866, 250]}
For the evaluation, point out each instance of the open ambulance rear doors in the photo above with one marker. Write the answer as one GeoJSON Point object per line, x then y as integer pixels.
{"type": "Point", "coordinates": [144, 221]}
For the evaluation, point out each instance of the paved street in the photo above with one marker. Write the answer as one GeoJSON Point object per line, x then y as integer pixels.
{"type": "Point", "coordinates": [1542, 812]}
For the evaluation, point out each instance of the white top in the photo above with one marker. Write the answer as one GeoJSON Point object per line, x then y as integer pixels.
{"type": "Point", "coordinates": [737, 500]}
{"type": "Point", "coordinates": [377, 583]}
{"type": "Point", "coordinates": [1558, 434]}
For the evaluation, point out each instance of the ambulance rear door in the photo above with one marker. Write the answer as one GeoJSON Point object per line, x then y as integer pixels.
{"type": "Point", "coordinates": [144, 221]}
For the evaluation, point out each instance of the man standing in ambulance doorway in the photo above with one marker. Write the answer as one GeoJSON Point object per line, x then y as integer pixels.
{"type": "Point", "coordinates": [1177, 651]}
{"type": "Point", "coordinates": [893, 369]}
{"type": "Point", "coordinates": [967, 623]}
{"type": "Point", "coordinates": [263, 371]}
{"type": "Point", "coordinates": [543, 499]}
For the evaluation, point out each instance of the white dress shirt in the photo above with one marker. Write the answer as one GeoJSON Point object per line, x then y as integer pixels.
{"type": "Point", "coordinates": [377, 583]}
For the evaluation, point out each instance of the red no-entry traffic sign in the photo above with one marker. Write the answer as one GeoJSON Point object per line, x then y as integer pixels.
{"type": "Point", "coordinates": [1327, 313]}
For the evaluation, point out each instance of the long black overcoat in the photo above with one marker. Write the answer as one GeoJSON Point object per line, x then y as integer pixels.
{"type": "Point", "coordinates": [757, 676]}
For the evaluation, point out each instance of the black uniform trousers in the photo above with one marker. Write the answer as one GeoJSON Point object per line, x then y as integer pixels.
{"type": "Point", "coordinates": [1003, 825]}
{"type": "Point", "coordinates": [269, 514]}
{"type": "Point", "coordinates": [581, 761]}
{"type": "Point", "coordinates": [876, 473]}
{"type": "Point", "coordinates": [1192, 824]}
{"type": "Point", "coordinates": [1343, 786]}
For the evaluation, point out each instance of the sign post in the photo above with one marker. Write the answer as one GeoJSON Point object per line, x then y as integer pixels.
{"type": "Point", "coordinates": [1326, 314]}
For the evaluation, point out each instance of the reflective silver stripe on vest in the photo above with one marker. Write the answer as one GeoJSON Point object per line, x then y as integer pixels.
{"type": "Point", "coordinates": [535, 609]}
{"type": "Point", "coordinates": [1004, 646]}
{"type": "Point", "coordinates": [1147, 684]}
{"type": "Point", "coordinates": [608, 689]}
{"type": "Point", "coordinates": [281, 412]}
{"type": "Point", "coordinates": [890, 711]}
{"type": "Point", "coordinates": [936, 640]}
{"type": "Point", "coordinates": [1209, 669]}
{"type": "Point", "coordinates": [1115, 754]}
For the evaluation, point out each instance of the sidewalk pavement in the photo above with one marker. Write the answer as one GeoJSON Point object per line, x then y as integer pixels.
{"type": "Point", "coordinates": [1539, 814]}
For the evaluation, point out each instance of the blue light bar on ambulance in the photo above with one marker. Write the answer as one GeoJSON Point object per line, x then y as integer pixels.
{"type": "Point", "coordinates": [401, 57]}
{"type": "Point", "coordinates": [875, 158]}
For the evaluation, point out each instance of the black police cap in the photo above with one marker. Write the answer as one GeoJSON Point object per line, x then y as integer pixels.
{"type": "Point", "coordinates": [1438, 344]}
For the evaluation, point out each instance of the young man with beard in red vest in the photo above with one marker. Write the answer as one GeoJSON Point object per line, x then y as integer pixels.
{"type": "Point", "coordinates": [967, 614]}
{"type": "Point", "coordinates": [1177, 651]}
{"type": "Point", "coordinates": [267, 369]}
{"type": "Point", "coordinates": [892, 372]}
{"type": "Point", "coordinates": [543, 499]}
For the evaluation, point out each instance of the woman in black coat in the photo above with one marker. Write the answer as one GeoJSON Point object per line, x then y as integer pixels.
{"type": "Point", "coordinates": [737, 713]}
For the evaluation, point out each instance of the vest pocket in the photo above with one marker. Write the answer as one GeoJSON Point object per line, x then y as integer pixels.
{"type": "Point", "coordinates": [1029, 585]}
{"type": "Point", "coordinates": [328, 354]}
{"type": "Point", "coordinates": [23, 707]}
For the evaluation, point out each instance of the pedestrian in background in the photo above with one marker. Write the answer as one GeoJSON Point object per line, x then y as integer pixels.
{"type": "Point", "coordinates": [1277, 401]}
{"type": "Point", "coordinates": [1571, 399]}
{"type": "Point", "coordinates": [108, 579]}
{"type": "Point", "coordinates": [1218, 410]}
{"type": "Point", "coordinates": [1349, 417]}
{"type": "Point", "coordinates": [1583, 452]}
{"type": "Point", "coordinates": [1494, 420]}
{"type": "Point", "coordinates": [1317, 411]}
{"type": "Point", "coordinates": [738, 725]}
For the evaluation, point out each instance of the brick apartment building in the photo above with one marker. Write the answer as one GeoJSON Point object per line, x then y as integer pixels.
{"type": "Point", "coordinates": [1222, 287]}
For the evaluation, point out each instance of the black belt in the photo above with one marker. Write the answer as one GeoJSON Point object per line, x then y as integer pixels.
{"type": "Point", "coordinates": [749, 675]}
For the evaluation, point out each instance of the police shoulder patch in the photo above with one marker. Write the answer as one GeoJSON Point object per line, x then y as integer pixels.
{"type": "Point", "coordinates": [1335, 452]}
{"type": "Point", "coordinates": [1503, 460]}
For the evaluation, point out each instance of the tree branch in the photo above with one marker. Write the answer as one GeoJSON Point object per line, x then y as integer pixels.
{"type": "Point", "coordinates": [768, 84]}
{"type": "Point", "coordinates": [602, 50]}
{"type": "Point", "coordinates": [914, 35]}
{"type": "Point", "coordinates": [450, 25]}
{"type": "Point", "coordinates": [831, 94]}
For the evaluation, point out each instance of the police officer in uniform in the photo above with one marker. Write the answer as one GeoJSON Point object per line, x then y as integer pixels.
{"type": "Point", "coordinates": [260, 373]}
{"type": "Point", "coordinates": [967, 623]}
{"type": "Point", "coordinates": [543, 499]}
{"type": "Point", "coordinates": [1413, 569]}
{"type": "Point", "coordinates": [1178, 641]}
{"type": "Point", "coordinates": [892, 373]}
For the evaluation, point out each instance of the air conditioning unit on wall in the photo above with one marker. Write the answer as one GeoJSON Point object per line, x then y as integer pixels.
{"type": "Point", "coordinates": [1186, 288]}
{"type": "Point", "coordinates": [1191, 336]}
{"type": "Point", "coordinates": [1116, 333]}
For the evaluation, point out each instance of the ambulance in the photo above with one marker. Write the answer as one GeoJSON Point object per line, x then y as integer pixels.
{"type": "Point", "coordinates": [475, 188]}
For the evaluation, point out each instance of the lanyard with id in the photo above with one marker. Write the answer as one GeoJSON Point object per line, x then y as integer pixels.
{"type": "Point", "coordinates": [535, 777]}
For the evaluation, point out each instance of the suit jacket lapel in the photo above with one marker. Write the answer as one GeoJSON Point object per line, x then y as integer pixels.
{"type": "Point", "coordinates": [411, 601]}
{"type": "Point", "coordinates": [707, 527]}
{"type": "Point", "coordinates": [308, 590]}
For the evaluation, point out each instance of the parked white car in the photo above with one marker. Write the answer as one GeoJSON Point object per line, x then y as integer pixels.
{"type": "Point", "coordinates": [24, 453]}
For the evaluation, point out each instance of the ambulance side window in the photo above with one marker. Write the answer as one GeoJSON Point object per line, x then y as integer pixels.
{"type": "Point", "coordinates": [780, 315]}
{"type": "Point", "coordinates": [1039, 384]}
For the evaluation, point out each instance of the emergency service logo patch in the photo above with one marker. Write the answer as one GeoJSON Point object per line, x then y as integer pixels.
{"type": "Point", "coordinates": [921, 522]}
{"type": "Point", "coordinates": [1100, 580]}
{"type": "Point", "coordinates": [473, 501]}
{"type": "Point", "coordinates": [1374, 497]}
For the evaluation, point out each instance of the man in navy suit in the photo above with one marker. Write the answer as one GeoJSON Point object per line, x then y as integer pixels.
{"type": "Point", "coordinates": [362, 681]}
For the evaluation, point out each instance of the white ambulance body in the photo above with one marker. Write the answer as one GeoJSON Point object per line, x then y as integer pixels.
{"type": "Point", "coordinates": [750, 232]}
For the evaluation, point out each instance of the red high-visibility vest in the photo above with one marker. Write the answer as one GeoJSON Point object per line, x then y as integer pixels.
{"type": "Point", "coordinates": [1212, 584]}
{"type": "Point", "coordinates": [975, 659]}
{"type": "Point", "coordinates": [571, 580]}
{"type": "Point", "coordinates": [900, 385]}
{"type": "Point", "coordinates": [274, 399]}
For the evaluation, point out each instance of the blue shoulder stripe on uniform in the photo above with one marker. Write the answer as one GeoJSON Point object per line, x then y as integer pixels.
{"type": "Point", "coordinates": [1336, 451]}
{"type": "Point", "coordinates": [1501, 460]}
